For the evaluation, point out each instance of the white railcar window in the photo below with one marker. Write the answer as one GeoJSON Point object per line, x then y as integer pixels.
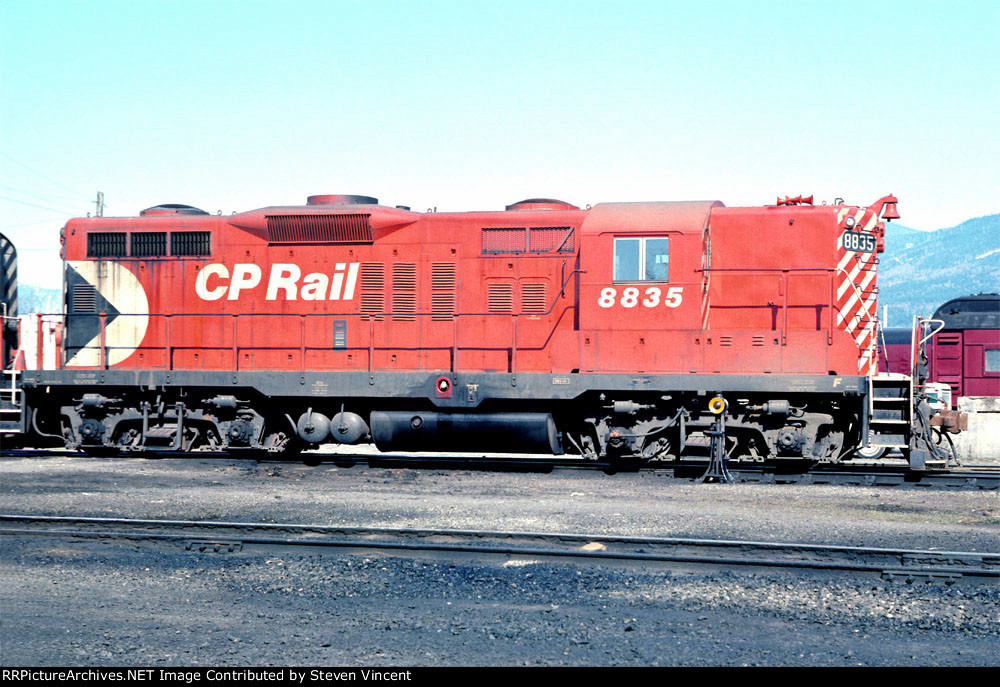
{"type": "Point", "coordinates": [992, 359]}
{"type": "Point", "coordinates": [642, 259]}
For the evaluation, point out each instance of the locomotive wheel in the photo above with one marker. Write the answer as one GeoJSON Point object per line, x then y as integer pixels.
{"type": "Point", "coordinates": [871, 452]}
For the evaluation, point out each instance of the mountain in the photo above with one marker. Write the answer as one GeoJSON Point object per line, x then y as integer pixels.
{"type": "Point", "coordinates": [920, 270]}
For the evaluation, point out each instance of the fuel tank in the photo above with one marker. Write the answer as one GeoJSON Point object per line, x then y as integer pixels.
{"type": "Point", "coordinates": [491, 432]}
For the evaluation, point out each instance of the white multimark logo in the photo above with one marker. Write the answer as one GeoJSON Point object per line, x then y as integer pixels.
{"type": "Point", "coordinates": [215, 281]}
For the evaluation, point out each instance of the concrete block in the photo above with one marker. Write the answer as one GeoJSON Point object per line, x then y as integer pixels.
{"type": "Point", "coordinates": [982, 440]}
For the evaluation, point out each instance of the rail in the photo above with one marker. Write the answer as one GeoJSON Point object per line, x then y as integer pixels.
{"type": "Point", "coordinates": [908, 565]}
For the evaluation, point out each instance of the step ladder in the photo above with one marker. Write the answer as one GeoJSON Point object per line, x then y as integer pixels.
{"type": "Point", "coordinates": [12, 415]}
{"type": "Point", "coordinates": [890, 405]}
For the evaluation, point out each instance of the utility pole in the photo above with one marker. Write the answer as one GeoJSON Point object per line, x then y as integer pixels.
{"type": "Point", "coordinates": [100, 203]}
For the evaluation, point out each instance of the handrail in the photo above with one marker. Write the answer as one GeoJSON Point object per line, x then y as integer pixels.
{"type": "Point", "coordinates": [872, 317]}
{"type": "Point", "coordinates": [931, 320]}
{"type": "Point", "coordinates": [372, 317]}
{"type": "Point", "coordinates": [916, 342]}
{"type": "Point", "coordinates": [784, 291]}
{"type": "Point", "coordinates": [766, 269]}
{"type": "Point", "coordinates": [373, 313]}
{"type": "Point", "coordinates": [168, 345]}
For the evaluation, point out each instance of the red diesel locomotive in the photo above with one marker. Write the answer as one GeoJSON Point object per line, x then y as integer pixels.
{"type": "Point", "coordinates": [621, 331]}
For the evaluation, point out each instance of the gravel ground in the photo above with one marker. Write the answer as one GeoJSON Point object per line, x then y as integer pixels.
{"type": "Point", "coordinates": [66, 603]}
{"type": "Point", "coordinates": [87, 603]}
{"type": "Point", "coordinates": [564, 501]}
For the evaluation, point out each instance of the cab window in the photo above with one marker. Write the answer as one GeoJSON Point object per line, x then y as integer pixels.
{"type": "Point", "coordinates": [992, 360]}
{"type": "Point", "coordinates": [642, 259]}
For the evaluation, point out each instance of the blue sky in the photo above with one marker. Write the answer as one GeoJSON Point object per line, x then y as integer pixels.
{"type": "Point", "coordinates": [472, 105]}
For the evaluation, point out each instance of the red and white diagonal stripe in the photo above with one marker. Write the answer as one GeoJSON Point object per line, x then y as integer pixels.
{"type": "Point", "coordinates": [857, 293]}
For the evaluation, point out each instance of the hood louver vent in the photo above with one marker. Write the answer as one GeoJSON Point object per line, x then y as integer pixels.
{"type": "Point", "coordinates": [344, 228]}
{"type": "Point", "coordinates": [500, 297]}
{"type": "Point", "coordinates": [533, 298]}
{"type": "Point", "coordinates": [443, 290]}
{"type": "Point", "coordinates": [404, 291]}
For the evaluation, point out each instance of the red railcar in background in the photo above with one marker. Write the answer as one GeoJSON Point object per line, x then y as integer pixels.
{"type": "Point", "coordinates": [964, 353]}
{"type": "Point", "coordinates": [894, 350]}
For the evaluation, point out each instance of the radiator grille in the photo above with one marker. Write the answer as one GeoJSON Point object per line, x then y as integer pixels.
{"type": "Point", "coordinates": [533, 298]}
{"type": "Point", "coordinates": [372, 290]}
{"type": "Point", "coordinates": [344, 228]}
{"type": "Point", "coordinates": [106, 244]}
{"type": "Point", "coordinates": [190, 243]}
{"type": "Point", "coordinates": [534, 240]}
{"type": "Point", "coordinates": [551, 239]}
{"type": "Point", "coordinates": [404, 291]}
{"type": "Point", "coordinates": [505, 240]}
{"type": "Point", "coordinates": [148, 244]}
{"type": "Point", "coordinates": [501, 298]}
{"type": "Point", "coordinates": [84, 298]}
{"type": "Point", "coordinates": [443, 285]}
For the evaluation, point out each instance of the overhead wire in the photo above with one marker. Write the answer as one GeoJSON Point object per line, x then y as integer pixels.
{"type": "Point", "coordinates": [36, 205]}
{"type": "Point", "coordinates": [40, 174]}
{"type": "Point", "coordinates": [41, 195]}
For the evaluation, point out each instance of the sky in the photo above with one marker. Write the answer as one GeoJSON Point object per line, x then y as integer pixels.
{"type": "Point", "coordinates": [231, 105]}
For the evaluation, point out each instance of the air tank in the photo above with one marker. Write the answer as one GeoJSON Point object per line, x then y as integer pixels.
{"type": "Point", "coordinates": [313, 427]}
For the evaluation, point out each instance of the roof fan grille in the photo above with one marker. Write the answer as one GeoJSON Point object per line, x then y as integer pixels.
{"type": "Point", "coordinates": [342, 228]}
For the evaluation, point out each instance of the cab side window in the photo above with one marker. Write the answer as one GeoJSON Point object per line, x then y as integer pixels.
{"type": "Point", "coordinates": [627, 262]}
{"type": "Point", "coordinates": [656, 253]}
{"type": "Point", "coordinates": [642, 259]}
{"type": "Point", "coordinates": [991, 360]}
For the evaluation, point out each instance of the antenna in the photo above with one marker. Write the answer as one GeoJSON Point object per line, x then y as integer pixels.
{"type": "Point", "coordinates": [100, 204]}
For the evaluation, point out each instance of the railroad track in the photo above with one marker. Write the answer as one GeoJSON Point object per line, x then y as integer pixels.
{"type": "Point", "coordinates": [985, 477]}
{"type": "Point", "coordinates": [909, 565]}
